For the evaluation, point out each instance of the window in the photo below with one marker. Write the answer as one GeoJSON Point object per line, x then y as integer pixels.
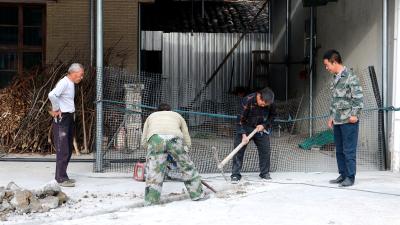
{"type": "Point", "coordinates": [22, 39]}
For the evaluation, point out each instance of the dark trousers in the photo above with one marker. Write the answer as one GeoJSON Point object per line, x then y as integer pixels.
{"type": "Point", "coordinates": [346, 137]}
{"type": "Point", "coordinates": [63, 137]}
{"type": "Point", "coordinates": [264, 153]}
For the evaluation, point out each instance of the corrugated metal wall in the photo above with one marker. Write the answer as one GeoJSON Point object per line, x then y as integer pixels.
{"type": "Point", "coordinates": [190, 59]}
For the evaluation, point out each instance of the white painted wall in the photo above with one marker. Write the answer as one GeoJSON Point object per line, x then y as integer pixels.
{"type": "Point", "coordinates": [394, 138]}
{"type": "Point", "coordinates": [354, 28]}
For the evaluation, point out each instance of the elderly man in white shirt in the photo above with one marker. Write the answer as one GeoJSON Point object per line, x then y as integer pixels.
{"type": "Point", "coordinates": [63, 108]}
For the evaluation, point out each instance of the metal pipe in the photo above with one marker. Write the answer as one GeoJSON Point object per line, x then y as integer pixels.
{"type": "Point", "coordinates": [394, 141]}
{"type": "Point", "coordinates": [311, 68]}
{"type": "Point", "coordinates": [381, 129]}
{"type": "Point", "coordinates": [139, 41]}
{"type": "Point", "coordinates": [192, 26]}
{"type": "Point", "coordinates": [72, 160]}
{"type": "Point", "coordinates": [99, 86]}
{"type": "Point", "coordinates": [290, 63]}
{"type": "Point", "coordinates": [202, 9]}
{"type": "Point", "coordinates": [385, 61]}
{"type": "Point", "coordinates": [269, 26]}
{"type": "Point", "coordinates": [91, 13]}
{"type": "Point", "coordinates": [287, 50]}
{"type": "Point", "coordinates": [43, 160]}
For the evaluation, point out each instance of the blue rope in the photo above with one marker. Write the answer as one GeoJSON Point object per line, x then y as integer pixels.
{"type": "Point", "coordinates": [222, 116]}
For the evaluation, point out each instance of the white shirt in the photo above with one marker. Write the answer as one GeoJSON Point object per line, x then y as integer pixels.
{"type": "Point", "coordinates": [62, 96]}
{"type": "Point", "coordinates": [339, 75]}
{"type": "Point", "coordinates": [167, 137]}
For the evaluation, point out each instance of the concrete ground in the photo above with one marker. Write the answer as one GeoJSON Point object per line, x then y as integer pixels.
{"type": "Point", "coordinates": [289, 198]}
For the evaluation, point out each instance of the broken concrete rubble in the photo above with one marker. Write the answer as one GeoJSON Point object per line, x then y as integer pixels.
{"type": "Point", "coordinates": [14, 199]}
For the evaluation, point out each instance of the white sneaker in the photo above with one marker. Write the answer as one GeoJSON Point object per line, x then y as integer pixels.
{"type": "Point", "coordinates": [202, 197]}
{"type": "Point", "coordinates": [66, 183]}
{"type": "Point", "coordinates": [235, 180]}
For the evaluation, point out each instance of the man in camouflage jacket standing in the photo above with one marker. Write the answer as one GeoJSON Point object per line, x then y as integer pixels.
{"type": "Point", "coordinates": [165, 133]}
{"type": "Point", "coordinates": [347, 102]}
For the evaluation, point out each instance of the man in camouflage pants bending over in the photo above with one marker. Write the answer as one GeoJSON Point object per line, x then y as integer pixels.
{"type": "Point", "coordinates": [165, 133]}
{"type": "Point", "coordinates": [347, 102]}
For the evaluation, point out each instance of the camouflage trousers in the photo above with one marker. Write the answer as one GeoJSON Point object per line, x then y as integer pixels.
{"type": "Point", "coordinates": [156, 165]}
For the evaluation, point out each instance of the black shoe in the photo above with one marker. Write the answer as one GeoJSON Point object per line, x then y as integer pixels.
{"type": "Point", "coordinates": [338, 180]}
{"type": "Point", "coordinates": [265, 176]}
{"type": "Point", "coordinates": [235, 179]}
{"type": "Point", "coordinates": [347, 182]}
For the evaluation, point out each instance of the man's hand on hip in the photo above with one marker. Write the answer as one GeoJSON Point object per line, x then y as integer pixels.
{"type": "Point", "coordinates": [330, 123]}
{"type": "Point", "coordinates": [353, 119]}
{"type": "Point", "coordinates": [56, 113]}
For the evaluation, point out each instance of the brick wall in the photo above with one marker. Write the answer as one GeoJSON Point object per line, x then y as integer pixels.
{"type": "Point", "coordinates": [121, 31]}
{"type": "Point", "coordinates": [68, 24]}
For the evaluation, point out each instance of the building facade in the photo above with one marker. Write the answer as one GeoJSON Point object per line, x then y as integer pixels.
{"type": "Point", "coordinates": [40, 32]}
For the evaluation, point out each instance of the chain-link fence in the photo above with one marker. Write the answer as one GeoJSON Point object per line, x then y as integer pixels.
{"type": "Point", "coordinates": [211, 116]}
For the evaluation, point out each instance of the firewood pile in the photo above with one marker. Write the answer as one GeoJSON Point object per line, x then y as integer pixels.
{"type": "Point", "coordinates": [25, 122]}
{"type": "Point", "coordinates": [13, 107]}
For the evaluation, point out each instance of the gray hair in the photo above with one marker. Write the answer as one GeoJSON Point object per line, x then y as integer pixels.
{"type": "Point", "coordinates": [267, 95]}
{"type": "Point", "coordinates": [75, 67]}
